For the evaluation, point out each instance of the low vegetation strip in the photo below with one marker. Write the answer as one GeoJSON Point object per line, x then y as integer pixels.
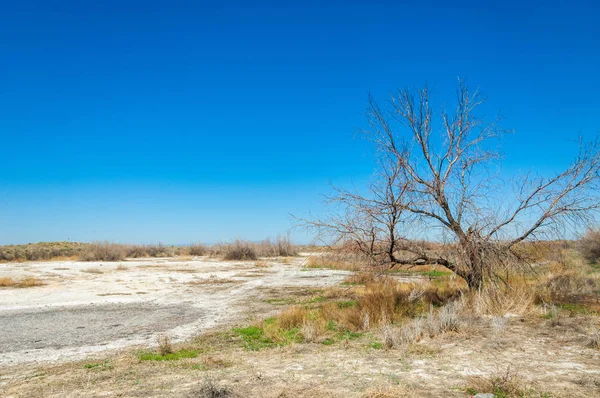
{"type": "Point", "coordinates": [107, 251]}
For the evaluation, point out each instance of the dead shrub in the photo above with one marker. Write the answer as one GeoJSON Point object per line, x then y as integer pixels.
{"type": "Point", "coordinates": [239, 250]}
{"type": "Point", "coordinates": [103, 251]}
{"type": "Point", "coordinates": [197, 250]}
{"type": "Point", "coordinates": [593, 340]}
{"type": "Point", "coordinates": [311, 330]}
{"type": "Point", "coordinates": [164, 344]}
{"type": "Point", "coordinates": [506, 384]}
{"type": "Point", "coordinates": [589, 246]}
{"type": "Point", "coordinates": [567, 288]}
{"type": "Point", "coordinates": [281, 247]}
{"type": "Point", "coordinates": [210, 389]}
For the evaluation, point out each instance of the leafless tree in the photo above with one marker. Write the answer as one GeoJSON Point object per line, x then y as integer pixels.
{"type": "Point", "coordinates": [439, 173]}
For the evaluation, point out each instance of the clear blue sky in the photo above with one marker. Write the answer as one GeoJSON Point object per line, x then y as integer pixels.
{"type": "Point", "coordinates": [205, 121]}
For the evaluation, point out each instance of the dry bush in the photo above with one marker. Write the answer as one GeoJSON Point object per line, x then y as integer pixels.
{"type": "Point", "coordinates": [505, 384]}
{"type": "Point", "coordinates": [567, 287]}
{"type": "Point", "coordinates": [387, 333]}
{"type": "Point", "coordinates": [197, 249]}
{"type": "Point", "coordinates": [209, 389]}
{"type": "Point", "coordinates": [261, 264]}
{"type": "Point", "coordinates": [412, 332]}
{"type": "Point", "coordinates": [245, 250]}
{"type": "Point", "coordinates": [164, 344]}
{"type": "Point", "coordinates": [292, 317]}
{"type": "Point", "coordinates": [281, 247]}
{"type": "Point", "coordinates": [121, 267]}
{"type": "Point", "coordinates": [593, 340]}
{"type": "Point", "coordinates": [160, 250]}
{"type": "Point", "coordinates": [40, 251]}
{"type": "Point", "coordinates": [446, 319]}
{"type": "Point", "coordinates": [312, 329]}
{"type": "Point", "coordinates": [103, 251]}
{"type": "Point", "coordinates": [238, 250]}
{"type": "Point", "coordinates": [136, 251]}
{"type": "Point", "coordinates": [589, 246]}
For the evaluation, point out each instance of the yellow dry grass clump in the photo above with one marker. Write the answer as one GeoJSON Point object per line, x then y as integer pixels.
{"type": "Point", "coordinates": [23, 283]}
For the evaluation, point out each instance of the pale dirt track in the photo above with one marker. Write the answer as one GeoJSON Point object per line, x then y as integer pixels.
{"type": "Point", "coordinates": [86, 308]}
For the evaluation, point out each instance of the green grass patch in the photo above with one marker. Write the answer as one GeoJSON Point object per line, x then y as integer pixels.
{"type": "Point", "coordinates": [347, 304]}
{"type": "Point", "coordinates": [174, 356]}
{"type": "Point", "coordinates": [376, 345]}
{"type": "Point", "coordinates": [576, 309]}
{"type": "Point", "coordinates": [105, 365]}
{"type": "Point", "coordinates": [254, 338]}
{"type": "Point", "coordinates": [318, 299]}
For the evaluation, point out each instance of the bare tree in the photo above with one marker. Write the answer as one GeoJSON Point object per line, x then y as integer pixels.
{"type": "Point", "coordinates": [438, 173]}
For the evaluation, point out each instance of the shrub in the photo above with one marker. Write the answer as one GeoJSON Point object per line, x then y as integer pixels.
{"type": "Point", "coordinates": [164, 344]}
{"type": "Point", "coordinates": [103, 252]}
{"type": "Point", "coordinates": [197, 250]}
{"type": "Point", "coordinates": [239, 250]}
{"type": "Point", "coordinates": [567, 287]}
{"type": "Point", "coordinates": [589, 246]}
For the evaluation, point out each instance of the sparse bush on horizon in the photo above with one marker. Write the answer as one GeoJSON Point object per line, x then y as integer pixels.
{"type": "Point", "coordinates": [103, 251]}
{"type": "Point", "coordinates": [108, 251]}
{"type": "Point", "coordinates": [238, 250]}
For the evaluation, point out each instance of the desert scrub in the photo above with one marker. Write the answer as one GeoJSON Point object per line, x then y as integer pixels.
{"type": "Point", "coordinates": [103, 251]}
{"type": "Point", "coordinates": [40, 251]}
{"type": "Point", "coordinates": [589, 246]}
{"type": "Point", "coordinates": [23, 283]}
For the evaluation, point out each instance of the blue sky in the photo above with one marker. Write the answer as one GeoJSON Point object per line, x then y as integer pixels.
{"type": "Point", "coordinates": [207, 121]}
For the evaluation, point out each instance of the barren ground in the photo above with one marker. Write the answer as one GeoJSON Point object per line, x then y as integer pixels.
{"type": "Point", "coordinates": [101, 313]}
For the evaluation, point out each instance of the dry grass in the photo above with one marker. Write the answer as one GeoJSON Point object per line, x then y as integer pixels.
{"type": "Point", "coordinates": [92, 271]}
{"type": "Point", "coordinates": [261, 264]}
{"type": "Point", "coordinates": [389, 392]}
{"type": "Point", "coordinates": [293, 317]}
{"type": "Point", "coordinates": [212, 280]}
{"type": "Point", "coordinates": [499, 301]}
{"type": "Point", "coordinates": [122, 267]}
{"type": "Point", "coordinates": [338, 260]}
{"type": "Point", "coordinates": [23, 283]}
{"type": "Point", "coordinates": [506, 384]}
{"type": "Point", "coordinates": [593, 340]}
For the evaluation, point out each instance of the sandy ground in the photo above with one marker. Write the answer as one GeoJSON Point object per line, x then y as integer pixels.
{"type": "Point", "coordinates": [86, 308]}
